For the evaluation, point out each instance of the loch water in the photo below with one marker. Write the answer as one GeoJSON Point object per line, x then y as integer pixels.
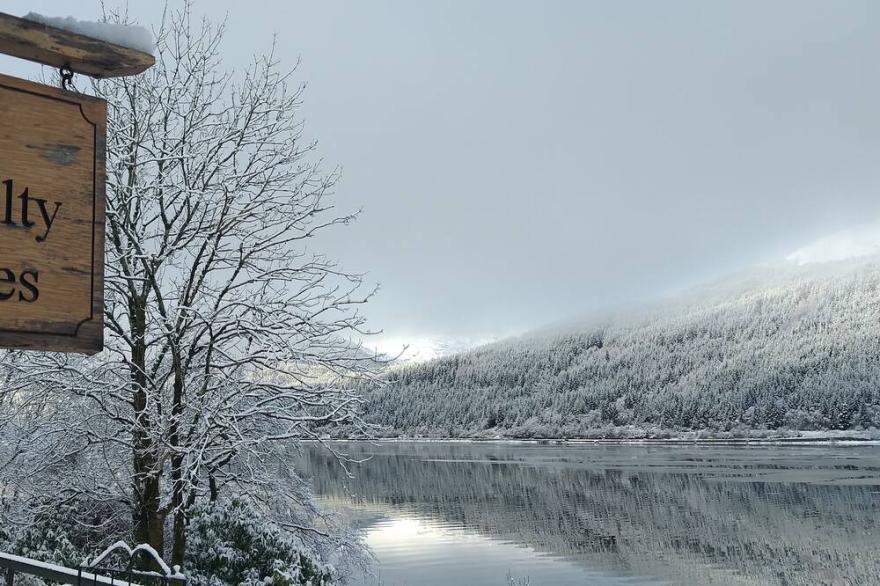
{"type": "Point", "coordinates": [462, 513]}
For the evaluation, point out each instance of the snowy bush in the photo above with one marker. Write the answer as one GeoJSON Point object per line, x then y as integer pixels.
{"type": "Point", "coordinates": [232, 543]}
{"type": "Point", "coordinates": [66, 532]}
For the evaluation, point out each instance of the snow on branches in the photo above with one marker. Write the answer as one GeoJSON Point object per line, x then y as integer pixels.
{"type": "Point", "coordinates": [226, 334]}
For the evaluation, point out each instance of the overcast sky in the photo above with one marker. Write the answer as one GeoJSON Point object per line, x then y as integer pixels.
{"type": "Point", "coordinates": [521, 162]}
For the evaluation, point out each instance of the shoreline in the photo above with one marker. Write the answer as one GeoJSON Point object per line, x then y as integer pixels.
{"type": "Point", "coordinates": [754, 441]}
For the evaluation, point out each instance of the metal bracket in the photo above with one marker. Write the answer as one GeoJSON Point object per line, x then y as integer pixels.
{"type": "Point", "coordinates": [66, 77]}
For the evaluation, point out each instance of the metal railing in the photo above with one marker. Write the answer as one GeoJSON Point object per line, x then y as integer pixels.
{"type": "Point", "coordinates": [14, 564]}
{"type": "Point", "coordinates": [92, 574]}
{"type": "Point", "coordinates": [165, 576]}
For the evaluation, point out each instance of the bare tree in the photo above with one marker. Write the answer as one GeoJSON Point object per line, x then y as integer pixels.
{"type": "Point", "coordinates": [226, 333]}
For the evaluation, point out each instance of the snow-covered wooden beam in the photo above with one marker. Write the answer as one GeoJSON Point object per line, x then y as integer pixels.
{"type": "Point", "coordinates": [35, 41]}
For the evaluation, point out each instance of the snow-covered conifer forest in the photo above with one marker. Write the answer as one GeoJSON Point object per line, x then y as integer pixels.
{"type": "Point", "coordinates": [784, 348]}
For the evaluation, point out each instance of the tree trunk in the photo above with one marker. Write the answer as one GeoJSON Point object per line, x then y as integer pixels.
{"type": "Point", "coordinates": [178, 547]}
{"type": "Point", "coordinates": [212, 486]}
{"type": "Point", "coordinates": [147, 519]}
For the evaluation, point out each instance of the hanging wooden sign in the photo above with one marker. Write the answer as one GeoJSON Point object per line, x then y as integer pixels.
{"type": "Point", "coordinates": [52, 153]}
{"type": "Point", "coordinates": [52, 156]}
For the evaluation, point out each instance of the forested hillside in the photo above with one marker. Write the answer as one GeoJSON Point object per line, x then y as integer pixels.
{"type": "Point", "coordinates": [794, 348]}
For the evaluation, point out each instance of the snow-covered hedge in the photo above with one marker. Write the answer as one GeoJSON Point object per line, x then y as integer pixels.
{"type": "Point", "coordinates": [232, 543]}
{"type": "Point", "coordinates": [229, 544]}
{"type": "Point", "coordinates": [64, 532]}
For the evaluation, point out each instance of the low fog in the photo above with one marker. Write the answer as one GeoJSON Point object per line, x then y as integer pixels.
{"type": "Point", "coordinates": [522, 162]}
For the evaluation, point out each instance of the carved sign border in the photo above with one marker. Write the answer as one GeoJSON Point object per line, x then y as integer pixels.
{"type": "Point", "coordinates": [88, 336]}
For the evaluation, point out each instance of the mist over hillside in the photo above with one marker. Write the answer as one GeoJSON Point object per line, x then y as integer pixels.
{"type": "Point", "coordinates": [787, 347]}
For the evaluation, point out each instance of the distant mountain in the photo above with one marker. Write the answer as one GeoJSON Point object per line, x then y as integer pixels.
{"type": "Point", "coordinates": [423, 348]}
{"type": "Point", "coordinates": [794, 346]}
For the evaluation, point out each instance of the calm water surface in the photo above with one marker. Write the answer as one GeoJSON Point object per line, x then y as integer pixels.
{"type": "Point", "coordinates": [475, 513]}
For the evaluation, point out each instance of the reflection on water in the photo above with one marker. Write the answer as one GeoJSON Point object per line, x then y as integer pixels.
{"type": "Point", "coordinates": [421, 551]}
{"type": "Point", "coordinates": [464, 513]}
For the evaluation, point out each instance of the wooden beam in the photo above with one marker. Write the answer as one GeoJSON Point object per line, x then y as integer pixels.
{"type": "Point", "coordinates": [38, 42]}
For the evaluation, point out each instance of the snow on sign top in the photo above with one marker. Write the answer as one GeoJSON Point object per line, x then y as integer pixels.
{"type": "Point", "coordinates": [39, 39]}
{"type": "Point", "coordinates": [132, 37]}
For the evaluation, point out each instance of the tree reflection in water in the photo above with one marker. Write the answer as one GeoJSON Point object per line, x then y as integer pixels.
{"type": "Point", "coordinates": [686, 514]}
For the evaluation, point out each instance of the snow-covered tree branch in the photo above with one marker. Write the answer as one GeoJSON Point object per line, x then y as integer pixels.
{"type": "Point", "coordinates": [227, 333]}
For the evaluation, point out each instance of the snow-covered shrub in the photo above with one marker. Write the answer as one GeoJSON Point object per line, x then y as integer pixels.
{"type": "Point", "coordinates": [233, 543]}
{"type": "Point", "coordinates": [67, 532]}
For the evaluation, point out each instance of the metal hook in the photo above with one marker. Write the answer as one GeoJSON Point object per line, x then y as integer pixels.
{"type": "Point", "coordinates": [66, 77]}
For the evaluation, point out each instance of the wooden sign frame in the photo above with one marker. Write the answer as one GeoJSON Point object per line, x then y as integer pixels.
{"type": "Point", "coordinates": [79, 327]}
{"type": "Point", "coordinates": [71, 317]}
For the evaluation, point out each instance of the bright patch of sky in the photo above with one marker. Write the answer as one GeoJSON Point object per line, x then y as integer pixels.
{"type": "Point", "coordinates": [423, 348]}
{"type": "Point", "coordinates": [848, 244]}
